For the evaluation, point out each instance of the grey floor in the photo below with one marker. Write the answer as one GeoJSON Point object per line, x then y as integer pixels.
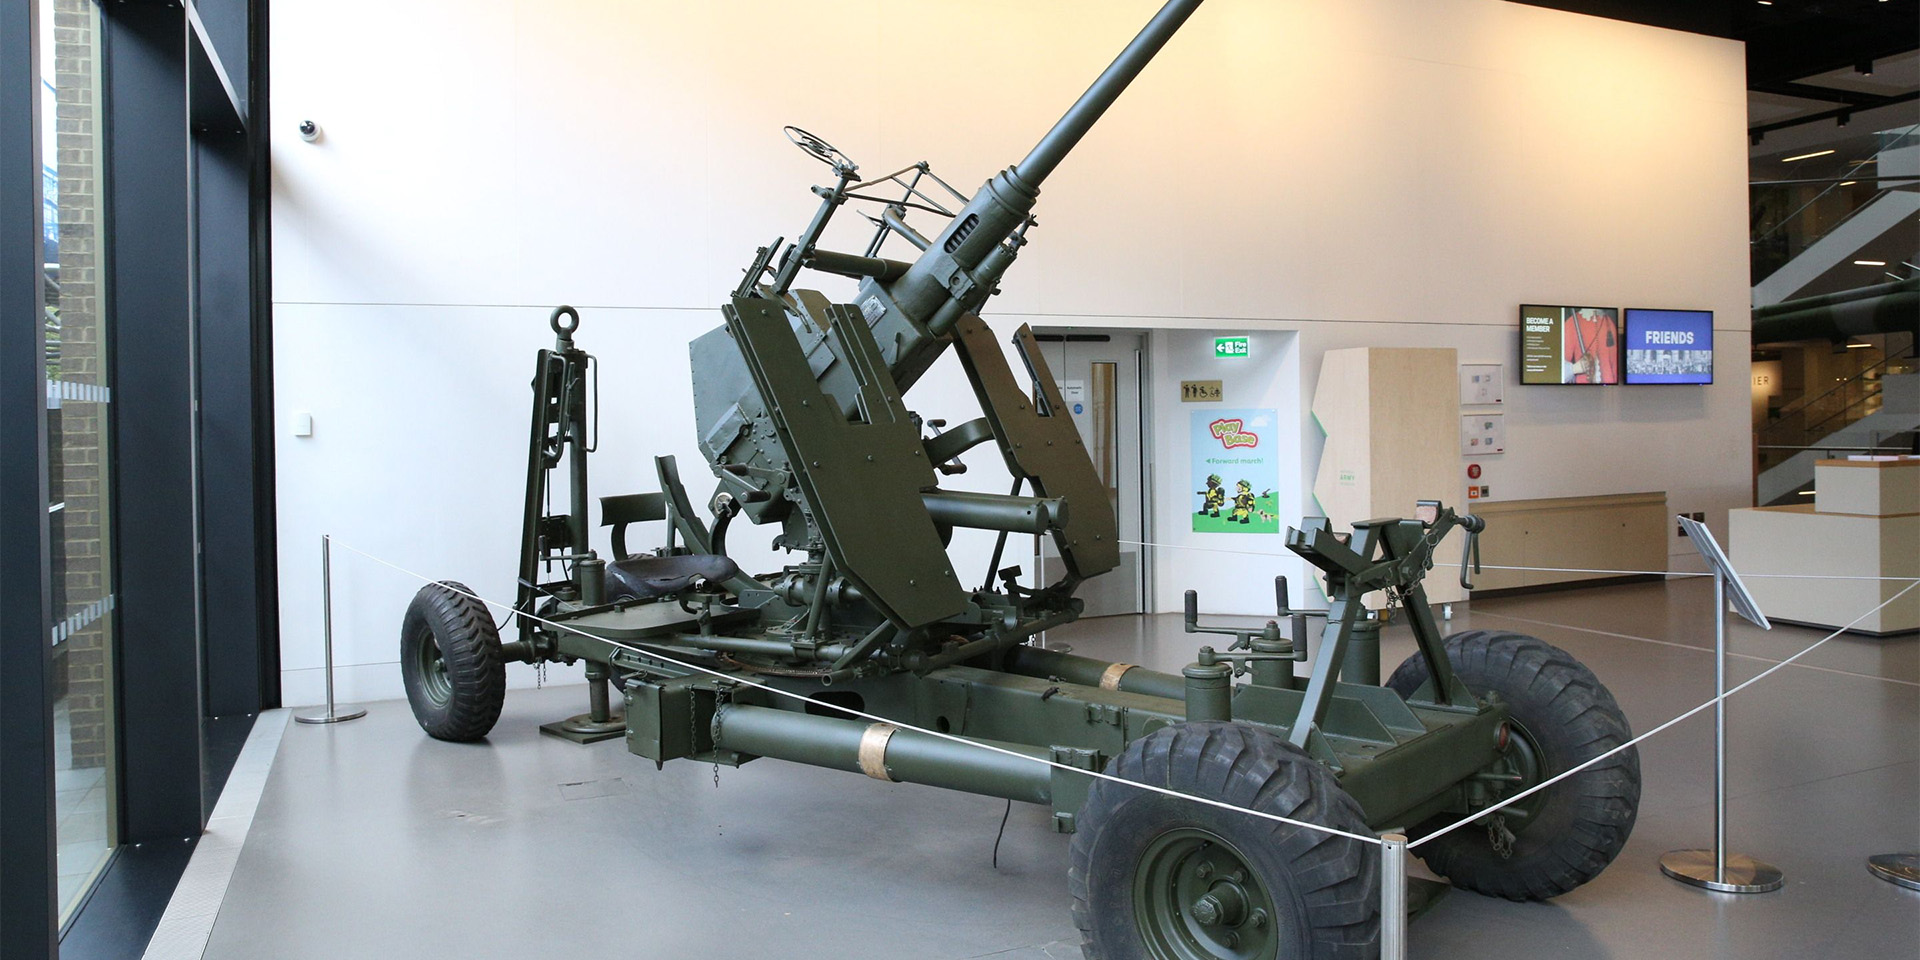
{"type": "Point", "coordinates": [372, 840]}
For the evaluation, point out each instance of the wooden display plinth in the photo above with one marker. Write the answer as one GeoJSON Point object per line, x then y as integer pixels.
{"type": "Point", "coordinates": [1392, 418]}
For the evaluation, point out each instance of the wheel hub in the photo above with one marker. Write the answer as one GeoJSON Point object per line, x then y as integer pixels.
{"type": "Point", "coordinates": [1195, 898]}
{"type": "Point", "coordinates": [433, 671]}
{"type": "Point", "coordinates": [1519, 767]}
{"type": "Point", "coordinates": [1224, 904]}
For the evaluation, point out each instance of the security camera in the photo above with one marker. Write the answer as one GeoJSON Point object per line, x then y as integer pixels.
{"type": "Point", "coordinates": [309, 131]}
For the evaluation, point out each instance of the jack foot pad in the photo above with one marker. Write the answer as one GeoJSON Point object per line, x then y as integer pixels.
{"type": "Point", "coordinates": [582, 728]}
{"type": "Point", "coordinates": [1898, 868]}
{"type": "Point", "coordinates": [1744, 874]}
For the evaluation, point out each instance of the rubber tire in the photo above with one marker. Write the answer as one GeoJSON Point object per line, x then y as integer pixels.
{"type": "Point", "coordinates": [447, 614]}
{"type": "Point", "coordinates": [1330, 885]}
{"type": "Point", "coordinates": [1571, 717]}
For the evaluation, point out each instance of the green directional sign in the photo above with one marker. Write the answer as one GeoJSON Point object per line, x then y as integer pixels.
{"type": "Point", "coordinates": [1229, 347]}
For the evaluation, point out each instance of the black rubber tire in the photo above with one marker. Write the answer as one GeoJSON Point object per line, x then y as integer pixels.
{"type": "Point", "coordinates": [1325, 889]}
{"type": "Point", "coordinates": [461, 699]}
{"type": "Point", "coordinates": [1569, 717]}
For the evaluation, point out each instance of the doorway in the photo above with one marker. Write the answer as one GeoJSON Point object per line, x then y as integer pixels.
{"type": "Point", "coordinates": [1101, 375]}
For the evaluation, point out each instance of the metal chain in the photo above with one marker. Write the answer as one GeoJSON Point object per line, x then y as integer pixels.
{"type": "Point", "coordinates": [1501, 837]}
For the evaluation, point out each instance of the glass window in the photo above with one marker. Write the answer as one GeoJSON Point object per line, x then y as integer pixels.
{"type": "Point", "coordinates": [78, 396]}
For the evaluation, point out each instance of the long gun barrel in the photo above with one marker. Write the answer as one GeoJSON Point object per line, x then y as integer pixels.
{"type": "Point", "coordinates": [1080, 118]}
{"type": "Point", "coordinates": [959, 268]}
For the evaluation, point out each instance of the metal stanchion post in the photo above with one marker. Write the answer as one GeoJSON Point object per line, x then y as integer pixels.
{"type": "Point", "coordinates": [332, 715]}
{"type": "Point", "coordinates": [1393, 896]}
{"type": "Point", "coordinates": [1717, 869]}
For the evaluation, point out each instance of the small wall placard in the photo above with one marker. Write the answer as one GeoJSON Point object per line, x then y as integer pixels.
{"type": "Point", "coordinates": [1201, 391]}
{"type": "Point", "coordinates": [1481, 383]}
{"type": "Point", "coordinates": [1482, 434]}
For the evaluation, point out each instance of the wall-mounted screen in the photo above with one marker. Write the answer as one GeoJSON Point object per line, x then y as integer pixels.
{"type": "Point", "coordinates": [1669, 346]}
{"type": "Point", "coordinates": [1569, 344]}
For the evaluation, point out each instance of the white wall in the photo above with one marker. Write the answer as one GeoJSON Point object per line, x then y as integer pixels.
{"type": "Point", "coordinates": [1352, 173]}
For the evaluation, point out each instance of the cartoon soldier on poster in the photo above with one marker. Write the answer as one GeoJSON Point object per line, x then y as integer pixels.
{"type": "Point", "coordinates": [1215, 494]}
{"type": "Point", "coordinates": [1243, 502]}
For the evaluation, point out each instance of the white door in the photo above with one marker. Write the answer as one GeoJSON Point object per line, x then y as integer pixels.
{"type": "Point", "coordinates": [1100, 379]}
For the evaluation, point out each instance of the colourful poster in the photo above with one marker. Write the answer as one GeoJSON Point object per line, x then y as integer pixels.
{"type": "Point", "coordinates": [1235, 472]}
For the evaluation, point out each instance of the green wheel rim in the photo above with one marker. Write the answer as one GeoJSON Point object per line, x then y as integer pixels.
{"type": "Point", "coordinates": [433, 670]}
{"type": "Point", "coordinates": [1196, 898]}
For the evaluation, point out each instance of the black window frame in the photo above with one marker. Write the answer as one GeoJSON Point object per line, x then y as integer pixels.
{"type": "Point", "coordinates": [186, 234]}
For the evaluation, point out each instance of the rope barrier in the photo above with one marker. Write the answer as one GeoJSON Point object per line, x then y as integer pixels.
{"type": "Point", "coordinates": [1770, 671]}
{"type": "Point", "coordinates": [841, 708]}
{"type": "Point", "coordinates": [1478, 815]}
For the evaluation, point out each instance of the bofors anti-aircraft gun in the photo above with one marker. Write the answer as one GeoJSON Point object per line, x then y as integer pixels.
{"type": "Point", "coordinates": [871, 654]}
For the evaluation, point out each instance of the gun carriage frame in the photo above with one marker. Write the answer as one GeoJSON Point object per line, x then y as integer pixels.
{"type": "Point", "coordinates": [801, 413]}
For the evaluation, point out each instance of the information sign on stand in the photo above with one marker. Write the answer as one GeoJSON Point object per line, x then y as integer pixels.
{"type": "Point", "coordinates": [1716, 869]}
{"type": "Point", "coordinates": [1735, 589]}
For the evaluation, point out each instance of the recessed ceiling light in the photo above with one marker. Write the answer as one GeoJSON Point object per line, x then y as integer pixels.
{"type": "Point", "coordinates": [1869, 263]}
{"type": "Point", "coordinates": [1807, 156]}
{"type": "Point", "coordinates": [1848, 183]}
{"type": "Point", "coordinates": [1859, 346]}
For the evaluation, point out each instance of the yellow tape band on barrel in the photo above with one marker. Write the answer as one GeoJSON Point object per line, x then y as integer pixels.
{"type": "Point", "coordinates": [1110, 680]}
{"type": "Point", "coordinates": [873, 751]}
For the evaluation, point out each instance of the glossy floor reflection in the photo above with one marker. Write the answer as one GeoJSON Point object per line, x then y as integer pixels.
{"type": "Point", "coordinates": [372, 840]}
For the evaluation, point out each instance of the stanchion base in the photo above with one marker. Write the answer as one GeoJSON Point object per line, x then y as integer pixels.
{"type": "Point", "coordinates": [337, 716]}
{"type": "Point", "coordinates": [582, 728]}
{"type": "Point", "coordinates": [1423, 894]}
{"type": "Point", "coordinates": [1744, 874]}
{"type": "Point", "coordinates": [1897, 868]}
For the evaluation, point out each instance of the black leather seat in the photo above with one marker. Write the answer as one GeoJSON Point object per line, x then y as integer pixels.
{"type": "Point", "coordinates": [645, 578]}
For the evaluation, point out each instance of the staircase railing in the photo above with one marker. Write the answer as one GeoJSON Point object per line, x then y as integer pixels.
{"type": "Point", "coordinates": [1785, 217]}
{"type": "Point", "coordinates": [1803, 423]}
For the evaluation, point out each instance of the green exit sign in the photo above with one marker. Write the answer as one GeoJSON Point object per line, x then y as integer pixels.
{"type": "Point", "coordinates": [1229, 347]}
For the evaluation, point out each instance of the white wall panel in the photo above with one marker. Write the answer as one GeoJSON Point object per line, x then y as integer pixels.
{"type": "Point", "coordinates": [1371, 172]}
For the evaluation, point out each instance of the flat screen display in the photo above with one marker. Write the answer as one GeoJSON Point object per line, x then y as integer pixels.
{"type": "Point", "coordinates": [1569, 344]}
{"type": "Point", "coordinates": [1669, 346]}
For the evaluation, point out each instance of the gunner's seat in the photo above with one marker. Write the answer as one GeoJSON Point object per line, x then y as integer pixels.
{"type": "Point", "coordinates": [648, 577]}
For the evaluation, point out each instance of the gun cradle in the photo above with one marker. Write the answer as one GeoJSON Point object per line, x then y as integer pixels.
{"type": "Point", "coordinates": [853, 458]}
